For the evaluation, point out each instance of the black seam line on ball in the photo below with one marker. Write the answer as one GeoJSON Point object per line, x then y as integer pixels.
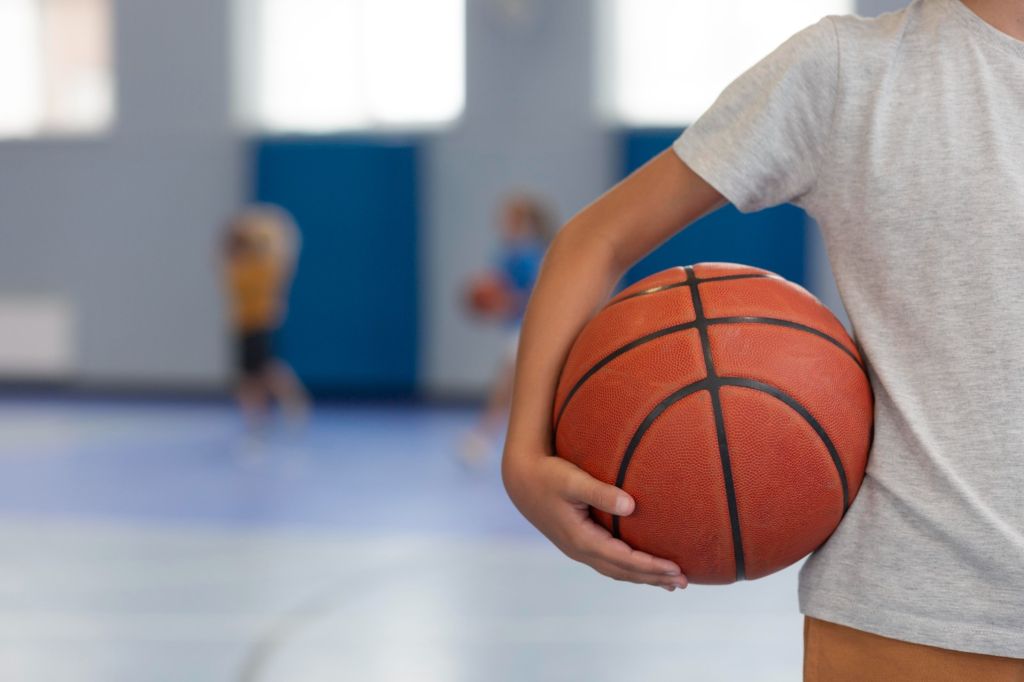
{"type": "Point", "coordinates": [614, 354]}
{"type": "Point", "coordinates": [686, 283]}
{"type": "Point", "coordinates": [791, 325]}
{"type": "Point", "coordinates": [808, 417]}
{"type": "Point", "coordinates": [722, 278]}
{"type": "Point", "coordinates": [716, 407]}
{"type": "Point", "coordinates": [683, 327]}
{"type": "Point", "coordinates": [641, 430]}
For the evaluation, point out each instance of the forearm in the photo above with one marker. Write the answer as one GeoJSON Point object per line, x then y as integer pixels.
{"type": "Point", "coordinates": [590, 254]}
{"type": "Point", "coordinates": [582, 266]}
{"type": "Point", "coordinates": [579, 271]}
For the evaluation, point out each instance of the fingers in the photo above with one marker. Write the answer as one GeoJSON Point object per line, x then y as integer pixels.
{"type": "Point", "coordinates": [598, 544]}
{"type": "Point", "coordinates": [582, 487]}
{"type": "Point", "coordinates": [573, 530]}
{"type": "Point", "coordinates": [670, 583]}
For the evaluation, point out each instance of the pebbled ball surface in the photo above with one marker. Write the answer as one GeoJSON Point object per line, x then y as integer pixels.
{"type": "Point", "coordinates": [732, 405]}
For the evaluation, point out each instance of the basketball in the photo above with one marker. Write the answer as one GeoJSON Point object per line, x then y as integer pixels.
{"type": "Point", "coordinates": [734, 408]}
{"type": "Point", "coordinates": [486, 295]}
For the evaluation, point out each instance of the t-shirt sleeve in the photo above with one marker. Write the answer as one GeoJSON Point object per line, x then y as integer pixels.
{"type": "Point", "coordinates": [762, 141]}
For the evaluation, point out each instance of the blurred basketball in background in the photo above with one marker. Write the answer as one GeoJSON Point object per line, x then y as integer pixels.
{"type": "Point", "coordinates": [487, 295]}
{"type": "Point", "coordinates": [732, 405]}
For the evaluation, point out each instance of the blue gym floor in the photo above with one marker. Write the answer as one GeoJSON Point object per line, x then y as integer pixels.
{"type": "Point", "coordinates": [158, 541]}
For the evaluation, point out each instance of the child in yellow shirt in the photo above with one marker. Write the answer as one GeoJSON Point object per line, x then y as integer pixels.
{"type": "Point", "coordinates": [260, 252]}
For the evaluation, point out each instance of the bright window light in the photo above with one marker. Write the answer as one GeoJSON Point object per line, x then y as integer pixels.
{"type": "Point", "coordinates": [664, 62]}
{"type": "Point", "coordinates": [336, 65]}
{"type": "Point", "coordinates": [55, 67]}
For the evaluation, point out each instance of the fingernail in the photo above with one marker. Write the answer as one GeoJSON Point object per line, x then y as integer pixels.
{"type": "Point", "coordinates": [668, 588]}
{"type": "Point", "coordinates": [672, 573]}
{"type": "Point", "coordinates": [622, 505]}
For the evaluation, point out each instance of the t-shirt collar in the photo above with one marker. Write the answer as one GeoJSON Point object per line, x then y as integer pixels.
{"type": "Point", "coordinates": [985, 30]}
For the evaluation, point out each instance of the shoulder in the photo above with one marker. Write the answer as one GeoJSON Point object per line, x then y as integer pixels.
{"type": "Point", "coordinates": [869, 43]}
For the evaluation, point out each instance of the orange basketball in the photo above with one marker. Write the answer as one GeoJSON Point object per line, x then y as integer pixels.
{"type": "Point", "coordinates": [486, 295]}
{"type": "Point", "coordinates": [732, 405]}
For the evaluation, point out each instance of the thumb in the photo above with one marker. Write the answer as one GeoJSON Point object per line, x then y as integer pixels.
{"type": "Point", "coordinates": [599, 495]}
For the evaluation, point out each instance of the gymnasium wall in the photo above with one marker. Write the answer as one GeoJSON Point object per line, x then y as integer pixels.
{"type": "Point", "coordinates": [870, 8]}
{"type": "Point", "coordinates": [529, 124]}
{"type": "Point", "coordinates": [124, 226]}
{"type": "Point", "coordinates": [353, 327]}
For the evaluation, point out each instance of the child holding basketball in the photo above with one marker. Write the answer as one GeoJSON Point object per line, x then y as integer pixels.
{"type": "Point", "coordinates": [903, 136]}
{"type": "Point", "coordinates": [261, 247]}
{"type": "Point", "coordinates": [500, 295]}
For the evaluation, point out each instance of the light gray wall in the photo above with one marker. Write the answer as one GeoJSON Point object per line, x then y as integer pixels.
{"type": "Point", "coordinates": [870, 8]}
{"type": "Point", "coordinates": [124, 224]}
{"type": "Point", "coordinates": [529, 124]}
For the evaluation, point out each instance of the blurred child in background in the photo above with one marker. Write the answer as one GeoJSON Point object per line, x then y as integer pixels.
{"type": "Point", "coordinates": [500, 295]}
{"type": "Point", "coordinates": [261, 248]}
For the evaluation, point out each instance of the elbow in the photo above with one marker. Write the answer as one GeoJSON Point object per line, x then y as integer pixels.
{"type": "Point", "coordinates": [582, 241]}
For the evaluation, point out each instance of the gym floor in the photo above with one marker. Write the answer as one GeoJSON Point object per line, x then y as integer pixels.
{"type": "Point", "coordinates": [158, 541]}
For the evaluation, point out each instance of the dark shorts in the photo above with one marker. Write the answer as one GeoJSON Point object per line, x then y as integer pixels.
{"type": "Point", "coordinates": [255, 351]}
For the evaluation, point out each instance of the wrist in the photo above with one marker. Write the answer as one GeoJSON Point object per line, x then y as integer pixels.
{"type": "Point", "coordinates": [518, 448]}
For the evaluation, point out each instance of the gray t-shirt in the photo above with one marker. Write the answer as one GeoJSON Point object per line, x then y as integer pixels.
{"type": "Point", "coordinates": [903, 136]}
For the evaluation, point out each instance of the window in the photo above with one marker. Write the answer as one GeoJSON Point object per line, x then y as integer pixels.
{"type": "Point", "coordinates": [663, 62]}
{"type": "Point", "coordinates": [55, 67]}
{"type": "Point", "coordinates": [335, 65]}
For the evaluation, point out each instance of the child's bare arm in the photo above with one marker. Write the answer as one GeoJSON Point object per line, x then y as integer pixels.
{"type": "Point", "coordinates": [585, 261]}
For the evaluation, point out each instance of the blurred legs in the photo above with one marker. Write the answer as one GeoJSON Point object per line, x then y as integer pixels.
{"type": "Point", "coordinates": [284, 386]}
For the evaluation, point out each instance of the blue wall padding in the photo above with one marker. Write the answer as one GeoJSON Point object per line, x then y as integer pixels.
{"type": "Point", "coordinates": [774, 239]}
{"type": "Point", "coordinates": [353, 321]}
